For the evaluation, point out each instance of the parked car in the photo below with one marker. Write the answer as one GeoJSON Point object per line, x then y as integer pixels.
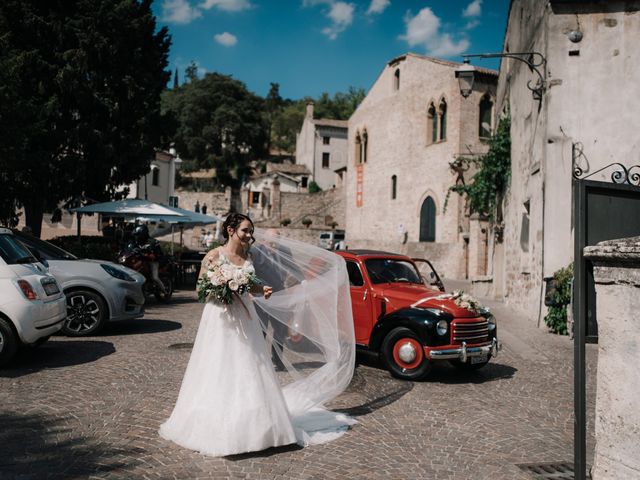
{"type": "Point", "coordinates": [97, 291]}
{"type": "Point", "coordinates": [32, 305]}
{"type": "Point", "coordinates": [329, 240]}
{"type": "Point", "coordinates": [403, 316]}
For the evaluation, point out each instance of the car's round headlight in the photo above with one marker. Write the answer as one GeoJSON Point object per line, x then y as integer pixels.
{"type": "Point", "coordinates": [442, 327]}
{"type": "Point", "coordinates": [491, 323]}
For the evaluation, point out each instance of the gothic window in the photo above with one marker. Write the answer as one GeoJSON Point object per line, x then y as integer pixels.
{"type": "Point", "coordinates": [394, 186]}
{"type": "Point", "coordinates": [428, 221]}
{"type": "Point", "coordinates": [484, 127]}
{"type": "Point", "coordinates": [396, 79]}
{"type": "Point", "coordinates": [325, 160]}
{"type": "Point", "coordinates": [432, 124]}
{"type": "Point", "coordinates": [155, 176]}
{"type": "Point", "coordinates": [442, 113]}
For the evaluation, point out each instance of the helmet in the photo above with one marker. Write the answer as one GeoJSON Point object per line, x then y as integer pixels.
{"type": "Point", "coordinates": [141, 233]}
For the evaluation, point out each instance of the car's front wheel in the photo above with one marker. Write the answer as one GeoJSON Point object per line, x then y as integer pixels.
{"type": "Point", "coordinates": [404, 355]}
{"type": "Point", "coordinates": [86, 313]}
{"type": "Point", "coordinates": [8, 342]}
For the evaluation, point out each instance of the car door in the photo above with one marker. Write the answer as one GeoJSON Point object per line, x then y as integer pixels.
{"type": "Point", "coordinates": [429, 274]}
{"type": "Point", "coordinates": [360, 303]}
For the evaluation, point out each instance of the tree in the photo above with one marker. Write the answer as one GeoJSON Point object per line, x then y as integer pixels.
{"type": "Point", "coordinates": [79, 98]}
{"type": "Point", "coordinates": [220, 124]}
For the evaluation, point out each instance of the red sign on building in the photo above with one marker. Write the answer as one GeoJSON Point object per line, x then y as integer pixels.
{"type": "Point", "coordinates": [359, 181]}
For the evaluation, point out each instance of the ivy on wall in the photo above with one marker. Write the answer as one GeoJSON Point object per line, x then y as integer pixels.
{"type": "Point", "coordinates": [487, 187]}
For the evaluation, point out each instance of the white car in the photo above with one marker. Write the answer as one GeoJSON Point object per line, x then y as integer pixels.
{"type": "Point", "coordinates": [97, 291]}
{"type": "Point", "coordinates": [32, 305]}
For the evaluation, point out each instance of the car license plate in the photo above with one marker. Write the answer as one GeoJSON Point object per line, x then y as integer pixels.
{"type": "Point", "coordinates": [479, 359]}
{"type": "Point", "coordinates": [50, 287]}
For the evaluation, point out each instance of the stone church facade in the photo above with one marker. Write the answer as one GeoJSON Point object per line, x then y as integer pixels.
{"type": "Point", "coordinates": [403, 141]}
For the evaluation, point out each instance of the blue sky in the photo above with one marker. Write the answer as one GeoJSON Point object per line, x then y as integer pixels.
{"type": "Point", "coordinates": [315, 46]}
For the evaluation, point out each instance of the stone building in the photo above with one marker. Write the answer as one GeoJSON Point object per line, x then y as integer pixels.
{"type": "Point", "coordinates": [404, 139]}
{"type": "Point", "coordinates": [258, 194]}
{"type": "Point", "coordinates": [321, 146]}
{"type": "Point", "coordinates": [587, 117]}
{"type": "Point", "coordinates": [159, 184]}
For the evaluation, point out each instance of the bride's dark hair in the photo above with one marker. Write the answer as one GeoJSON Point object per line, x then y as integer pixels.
{"type": "Point", "coordinates": [234, 220]}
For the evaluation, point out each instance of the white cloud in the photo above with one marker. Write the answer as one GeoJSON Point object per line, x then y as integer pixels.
{"type": "Point", "coordinates": [179, 11]}
{"type": "Point", "coordinates": [227, 5]}
{"type": "Point", "coordinates": [227, 39]}
{"type": "Point", "coordinates": [424, 30]}
{"type": "Point", "coordinates": [378, 6]}
{"type": "Point", "coordinates": [341, 16]}
{"type": "Point", "coordinates": [474, 9]}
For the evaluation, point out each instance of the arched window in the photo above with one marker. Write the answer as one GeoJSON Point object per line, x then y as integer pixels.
{"type": "Point", "coordinates": [484, 127]}
{"type": "Point", "coordinates": [155, 176]}
{"type": "Point", "coordinates": [357, 154]}
{"type": "Point", "coordinates": [396, 79]}
{"type": "Point", "coordinates": [442, 113]}
{"type": "Point", "coordinates": [365, 146]}
{"type": "Point", "coordinates": [394, 186]}
{"type": "Point", "coordinates": [432, 124]}
{"type": "Point", "coordinates": [428, 221]}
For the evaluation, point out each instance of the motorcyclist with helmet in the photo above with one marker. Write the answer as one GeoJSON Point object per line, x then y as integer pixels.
{"type": "Point", "coordinates": [151, 250]}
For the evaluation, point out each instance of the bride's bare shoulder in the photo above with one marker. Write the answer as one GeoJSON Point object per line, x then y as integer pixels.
{"type": "Point", "coordinates": [211, 256]}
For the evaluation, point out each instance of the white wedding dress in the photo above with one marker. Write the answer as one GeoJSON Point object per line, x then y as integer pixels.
{"type": "Point", "coordinates": [231, 401]}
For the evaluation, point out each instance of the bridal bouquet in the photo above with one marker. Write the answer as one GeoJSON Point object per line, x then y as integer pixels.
{"type": "Point", "coordinates": [221, 280]}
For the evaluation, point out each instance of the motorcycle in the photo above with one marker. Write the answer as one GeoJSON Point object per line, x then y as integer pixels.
{"type": "Point", "coordinates": [139, 260]}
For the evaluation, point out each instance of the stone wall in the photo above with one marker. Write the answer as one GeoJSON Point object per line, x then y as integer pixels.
{"type": "Point", "coordinates": [218, 203]}
{"type": "Point", "coordinates": [617, 278]}
{"type": "Point", "coordinates": [586, 82]}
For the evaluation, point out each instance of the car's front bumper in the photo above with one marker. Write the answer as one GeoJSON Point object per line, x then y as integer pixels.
{"type": "Point", "coordinates": [464, 352]}
{"type": "Point", "coordinates": [127, 301]}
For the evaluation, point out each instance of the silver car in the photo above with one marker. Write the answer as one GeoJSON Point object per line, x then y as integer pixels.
{"type": "Point", "coordinates": [97, 291]}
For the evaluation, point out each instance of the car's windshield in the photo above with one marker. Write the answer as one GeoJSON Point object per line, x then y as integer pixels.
{"type": "Point", "coordinates": [45, 250]}
{"type": "Point", "coordinates": [13, 252]}
{"type": "Point", "coordinates": [388, 270]}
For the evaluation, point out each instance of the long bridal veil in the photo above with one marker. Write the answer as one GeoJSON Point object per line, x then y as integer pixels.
{"type": "Point", "coordinates": [309, 320]}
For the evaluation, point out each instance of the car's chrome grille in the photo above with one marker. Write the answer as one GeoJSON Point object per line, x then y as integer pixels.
{"type": "Point", "coordinates": [475, 331]}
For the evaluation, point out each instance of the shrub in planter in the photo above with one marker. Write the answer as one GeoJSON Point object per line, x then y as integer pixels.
{"type": "Point", "coordinates": [285, 221]}
{"type": "Point", "coordinates": [99, 248]}
{"type": "Point", "coordinates": [556, 318]}
{"type": "Point", "coordinates": [306, 222]}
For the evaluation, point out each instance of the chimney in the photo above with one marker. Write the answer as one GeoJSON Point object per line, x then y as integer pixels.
{"type": "Point", "coordinates": [309, 110]}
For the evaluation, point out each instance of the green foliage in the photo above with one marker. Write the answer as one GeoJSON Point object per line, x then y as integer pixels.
{"type": "Point", "coordinates": [99, 248]}
{"type": "Point", "coordinates": [288, 119]}
{"type": "Point", "coordinates": [79, 99]}
{"type": "Point", "coordinates": [285, 221]}
{"type": "Point", "coordinates": [556, 318]}
{"type": "Point", "coordinates": [488, 185]}
{"type": "Point", "coordinates": [314, 187]}
{"type": "Point", "coordinates": [219, 124]}
{"type": "Point", "coordinates": [306, 221]}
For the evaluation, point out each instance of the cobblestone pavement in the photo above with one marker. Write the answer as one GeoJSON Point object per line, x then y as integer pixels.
{"type": "Point", "coordinates": [90, 408]}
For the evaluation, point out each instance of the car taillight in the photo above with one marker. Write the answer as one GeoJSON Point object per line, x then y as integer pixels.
{"type": "Point", "coordinates": [27, 291]}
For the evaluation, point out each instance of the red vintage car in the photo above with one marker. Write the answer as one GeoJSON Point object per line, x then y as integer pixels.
{"type": "Point", "coordinates": [401, 313]}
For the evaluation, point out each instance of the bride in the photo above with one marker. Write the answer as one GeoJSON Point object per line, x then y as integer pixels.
{"type": "Point", "coordinates": [231, 400]}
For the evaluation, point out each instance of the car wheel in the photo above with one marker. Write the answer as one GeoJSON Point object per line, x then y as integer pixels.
{"type": "Point", "coordinates": [86, 313]}
{"type": "Point", "coordinates": [404, 355]}
{"type": "Point", "coordinates": [8, 342]}
{"type": "Point", "coordinates": [468, 366]}
{"type": "Point", "coordinates": [168, 290]}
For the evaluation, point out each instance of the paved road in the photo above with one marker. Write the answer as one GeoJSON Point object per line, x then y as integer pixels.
{"type": "Point", "coordinates": [90, 408]}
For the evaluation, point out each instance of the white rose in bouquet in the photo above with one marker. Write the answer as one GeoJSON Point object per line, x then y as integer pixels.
{"type": "Point", "coordinates": [228, 271]}
{"type": "Point", "coordinates": [233, 285]}
{"type": "Point", "coordinates": [240, 277]}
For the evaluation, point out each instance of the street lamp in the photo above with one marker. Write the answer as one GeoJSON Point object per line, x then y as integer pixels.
{"type": "Point", "coordinates": [466, 72]}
